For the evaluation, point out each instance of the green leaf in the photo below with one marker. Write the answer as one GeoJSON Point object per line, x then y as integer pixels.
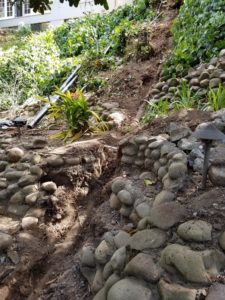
{"type": "Point", "coordinates": [148, 182]}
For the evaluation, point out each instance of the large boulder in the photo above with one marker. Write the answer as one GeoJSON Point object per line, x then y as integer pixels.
{"type": "Point", "coordinates": [39, 143]}
{"type": "Point", "coordinates": [55, 161]}
{"type": "Point", "coordinates": [8, 225]}
{"type": "Point", "coordinates": [163, 196]}
{"type": "Point", "coordinates": [172, 185]}
{"type": "Point", "coordinates": [217, 175]}
{"type": "Point", "coordinates": [177, 170]}
{"type": "Point", "coordinates": [101, 295]}
{"type": "Point", "coordinates": [29, 222]}
{"type": "Point", "coordinates": [98, 281]}
{"type": "Point", "coordinates": [15, 154]}
{"type": "Point", "coordinates": [103, 252]}
{"type": "Point", "coordinates": [216, 292]}
{"type": "Point", "coordinates": [222, 241]}
{"type": "Point", "coordinates": [27, 180]}
{"type": "Point", "coordinates": [119, 259]}
{"type": "Point", "coordinates": [176, 292]}
{"type": "Point", "coordinates": [143, 266]}
{"type": "Point", "coordinates": [195, 266]}
{"type": "Point", "coordinates": [130, 149]}
{"type": "Point", "coordinates": [121, 239]}
{"type": "Point", "coordinates": [88, 256]}
{"type": "Point", "coordinates": [118, 184]}
{"type": "Point", "coordinates": [88, 273]}
{"type": "Point", "coordinates": [195, 230]}
{"type": "Point", "coordinates": [114, 202]}
{"type": "Point", "coordinates": [166, 215]}
{"type": "Point", "coordinates": [143, 209]}
{"type": "Point", "coordinates": [5, 241]}
{"type": "Point", "coordinates": [49, 186]}
{"type": "Point", "coordinates": [125, 197]}
{"type": "Point", "coordinates": [148, 239]}
{"type": "Point", "coordinates": [131, 289]}
{"type": "Point", "coordinates": [178, 132]}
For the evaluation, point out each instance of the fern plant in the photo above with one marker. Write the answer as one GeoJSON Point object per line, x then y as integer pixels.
{"type": "Point", "coordinates": [73, 108]}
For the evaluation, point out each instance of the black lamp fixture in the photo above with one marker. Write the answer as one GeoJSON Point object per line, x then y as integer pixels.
{"type": "Point", "coordinates": [207, 133]}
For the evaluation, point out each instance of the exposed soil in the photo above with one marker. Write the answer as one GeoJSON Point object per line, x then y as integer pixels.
{"type": "Point", "coordinates": [130, 84]}
{"type": "Point", "coordinates": [49, 265]}
{"type": "Point", "coordinates": [58, 276]}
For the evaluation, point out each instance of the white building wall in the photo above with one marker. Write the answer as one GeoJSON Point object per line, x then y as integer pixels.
{"type": "Point", "coordinates": [60, 12]}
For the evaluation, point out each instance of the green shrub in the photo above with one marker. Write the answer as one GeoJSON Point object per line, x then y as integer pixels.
{"type": "Point", "coordinates": [23, 31]}
{"type": "Point", "coordinates": [12, 92]}
{"type": "Point", "coordinates": [42, 61]}
{"type": "Point", "coordinates": [95, 31]}
{"type": "Point", "coordinates": [184, 99]}
{"type": "Point", "coordinates": [198, 35]}
{"type": "Point", "coordinates": [36, 66]}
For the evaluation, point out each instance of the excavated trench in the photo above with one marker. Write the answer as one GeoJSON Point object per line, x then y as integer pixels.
{"type": "Point", "coordinates": [43, 251]}
{"type": "Point", "coordinates": [45, 262]}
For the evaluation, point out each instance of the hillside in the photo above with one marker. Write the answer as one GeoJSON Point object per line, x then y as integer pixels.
{"type": "Point", "coordinates": [110, 196]}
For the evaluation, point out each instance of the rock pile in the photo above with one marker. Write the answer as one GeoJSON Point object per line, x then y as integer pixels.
{"type": "Point", "coordinates": [167, 155]}
{"type": "Point", "coordinates": [21, 171]}
{"type": "Point", "coordinates": [156, 261]}
{"type": "Point", "coordinates": [20, 189]}
{"type": "Point", "coordinates": [126, 266]}
{"type": "Point", "coordinates": [170, 254]}
{"type": "Point", "coordinates": [208, 75]}
{"type": "Point", "coordinates": [156, 154]}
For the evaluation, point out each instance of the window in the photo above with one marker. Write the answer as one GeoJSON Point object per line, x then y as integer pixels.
{"type": "Point", "coordinates": [27, 9]}
{"type": "Point", "coordinates": [6, 9]}
{"type": "Point", "coordinates": [84, 4]}
{"type": "Point", "coordinates": [2, 8]}
{"type": "Point", "coordinates": [19, 9]}
{"type": "Point", "coordinates": [9, 12]}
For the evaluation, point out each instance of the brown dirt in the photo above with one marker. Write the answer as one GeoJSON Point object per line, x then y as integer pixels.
{"type": "Point", "coordinates": [130, 84]}
{"type": "Point", "coordinates": [59, 277]}
{"type": "Point", "coordinates": [49, 267]}
{"type": "Point", "coordinates": [47, 254]}
{"type": "Point", "coordinates": [190, 118]}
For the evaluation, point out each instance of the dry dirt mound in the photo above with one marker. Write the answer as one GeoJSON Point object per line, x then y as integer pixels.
{"type": "Point", "coordinates": [130, 84]}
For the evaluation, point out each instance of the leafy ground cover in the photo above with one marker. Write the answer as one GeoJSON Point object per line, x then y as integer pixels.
{"type": "Point", "coordinates": [198, 35]}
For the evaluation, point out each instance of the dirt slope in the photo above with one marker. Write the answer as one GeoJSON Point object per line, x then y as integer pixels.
{"type": "Point", "coordinates": [53, 270]}
{"type": "Point", "coordinates": [130, 84]}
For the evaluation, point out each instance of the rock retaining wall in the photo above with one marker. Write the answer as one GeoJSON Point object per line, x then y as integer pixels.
{"type": "Point", "coordinates": [153, 154]}
{"type": "Point", "coordinates": [200, 79]}
{"type": "Point", "coordinates": [155, 261]}
{"type": "Point", "coordinates": [29, 181]}
{"type": "Point", "coordinates": [164, 253]}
